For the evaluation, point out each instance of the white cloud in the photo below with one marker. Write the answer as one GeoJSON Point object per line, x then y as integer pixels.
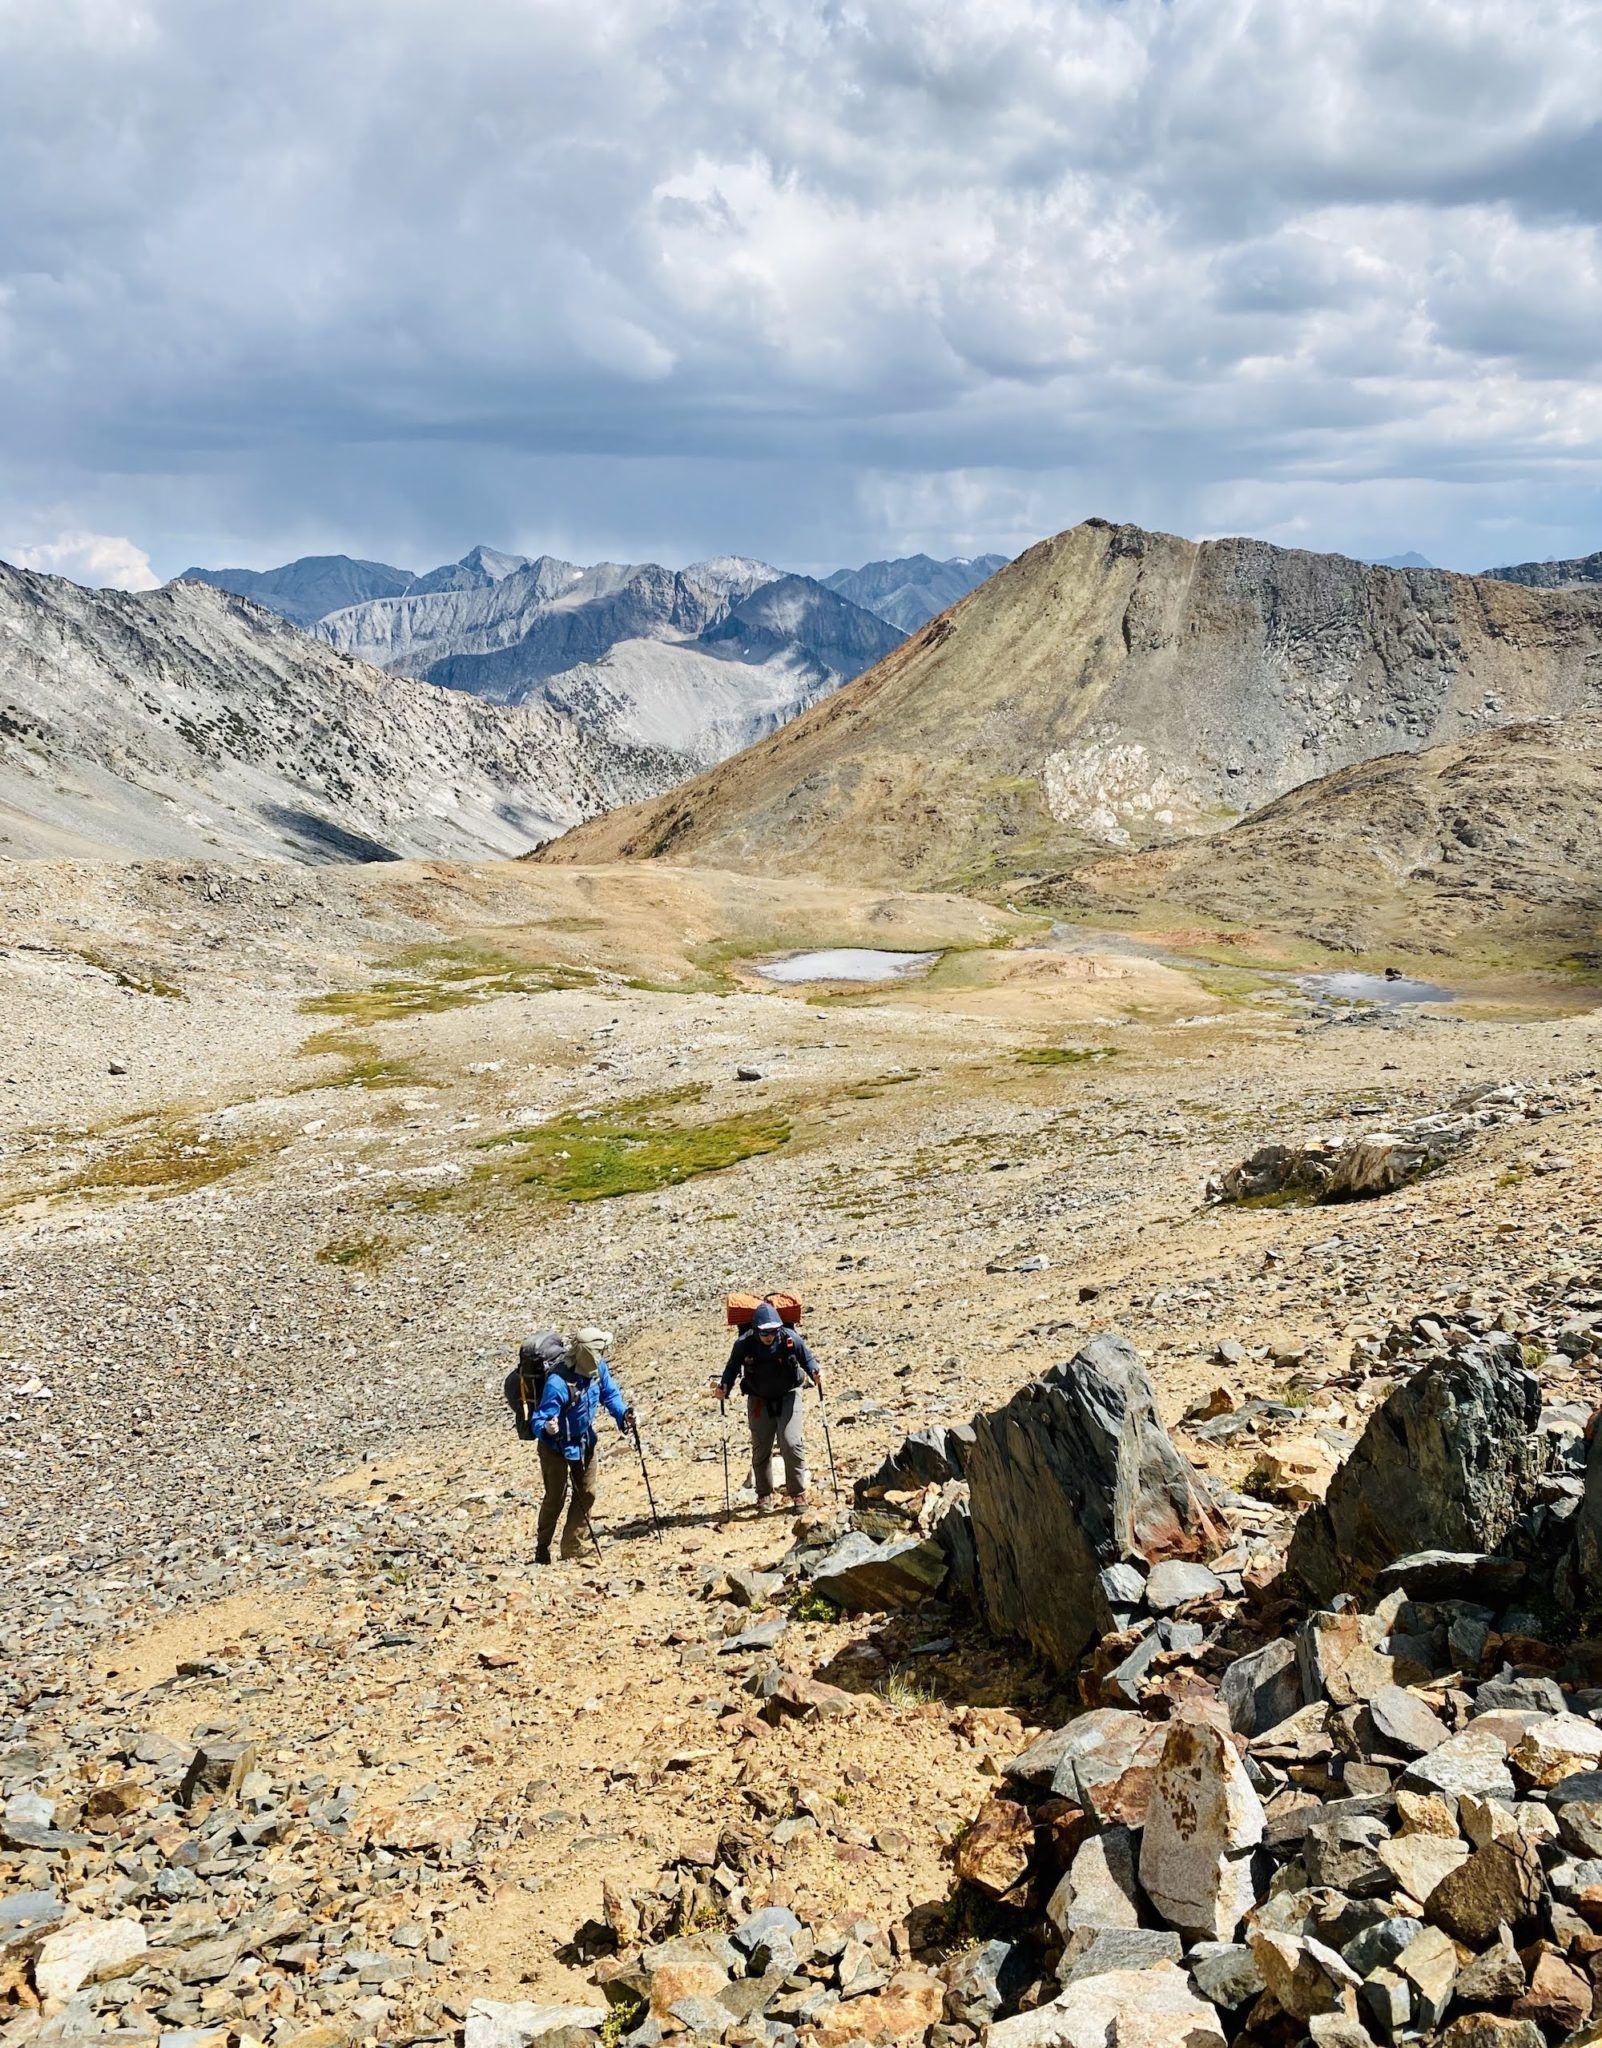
{"type": "Point", "coordinates": [394, 275]}
{"type": "Point", "coordinates": [104, 561]}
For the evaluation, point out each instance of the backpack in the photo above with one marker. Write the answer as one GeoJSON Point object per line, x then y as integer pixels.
{"type": "Point", "coordinates": [738, 1309]}
{"type": "Point", "coordinates": [537, 1357]}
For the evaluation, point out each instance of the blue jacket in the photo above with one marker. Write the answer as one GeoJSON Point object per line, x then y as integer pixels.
{"type": "Point", "coordinates": [573, 1406]}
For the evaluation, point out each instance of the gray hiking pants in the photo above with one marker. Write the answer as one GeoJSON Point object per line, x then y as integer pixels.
{"type": "Point", "coordinates": [783, 1429]}
{"type": "Point", "coordinates": [576, 1483]}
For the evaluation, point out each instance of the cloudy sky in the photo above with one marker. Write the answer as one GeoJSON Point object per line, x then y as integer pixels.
{"type": "Point", "coordinates": [792, 278]}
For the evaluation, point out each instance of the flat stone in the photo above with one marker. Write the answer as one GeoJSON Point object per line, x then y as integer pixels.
{"type": "Point", "coordinates": [1202, 1821]}
{"type": "Point", "coordinates": [87, 1952]}
{"type": "Point", "coordinates": [1453, 1575]}
{"type": "Point", "coordinates": [25, 1919]}
{"type": "Point", "coordinates": [1150, 2008]}
{"type": "Point", "coordinates": [1466, 1762]}
{"type": "Point", "coordinates": [1093, 1951]}
{"type": "Point", "coordinates": [761, 1635]}
{"type": "Point", "coordinates": [758, 1929]}
{"type": "Point", "coordinates": [1173, 1582]}
{"type": "Point", "coordinates": [1495, 1977]}
{"type": "Point", "coordinates": [1419, 1862]}
{"type": "Point", "coordinates": [1558, 1998]}
{"type": "Point", "coordinates": [863, 1577]}
{"type": "Point", "coordinates": [1342, 1856]}
{"type": "Point", "coordinates": [1404, 1722]}
{"type": "Point", "coordinates": [1491, 2030]}
{"type": "Point", "coordinates": [1098, 1889]}
{"type": "Point", "coordinates": [994, 1853]}
{"type": "Point", "coordinates": [519, 2023]}
{"type": "Point", "coordinates": [1110, 1764]}
{"type": "Point", "coordinates": [1499, 1885]}
{"type": "Point", "coordinates": [1429, 1965]}
{"type": "Point", "coordinates": [1557, 1747]}
{"type": "Point", "coordinates": [1303, 1976]}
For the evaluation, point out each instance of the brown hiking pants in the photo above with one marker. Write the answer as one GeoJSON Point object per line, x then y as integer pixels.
{"type": "Point", "coordinates": [576, 1484]}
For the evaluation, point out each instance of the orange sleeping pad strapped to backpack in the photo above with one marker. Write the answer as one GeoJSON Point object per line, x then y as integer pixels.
{"type": "Point", "coordinates": [740, 1308]}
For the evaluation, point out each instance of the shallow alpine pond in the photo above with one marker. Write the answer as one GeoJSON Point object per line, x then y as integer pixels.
{"type": "Point", "coordinates": [846, 963]}
{"type": "Point", "coordinates": [1351, 987]}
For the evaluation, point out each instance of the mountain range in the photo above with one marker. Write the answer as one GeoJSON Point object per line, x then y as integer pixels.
{"type": "Point", "coordinates": [1114, 687]}
{"type": "Point", "coordinates": [699, 661]}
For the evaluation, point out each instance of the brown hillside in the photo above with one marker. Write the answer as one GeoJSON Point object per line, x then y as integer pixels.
{"type": "Point", "coordinates": [1118, 687]}
{"type": "Point", "coordinates": [1491, 846]}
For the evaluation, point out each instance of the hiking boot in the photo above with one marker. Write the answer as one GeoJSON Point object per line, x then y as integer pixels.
{"type": "Point", "coordinates": [798, 1503]}
{"type": "Point", "coordinates": [542, 1554]}
{"type": "Point", "coordinates": [767, 1503]}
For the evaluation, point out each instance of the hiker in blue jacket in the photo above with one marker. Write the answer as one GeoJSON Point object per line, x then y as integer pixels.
{"type": "Point", "coordinates": [564, 1427]}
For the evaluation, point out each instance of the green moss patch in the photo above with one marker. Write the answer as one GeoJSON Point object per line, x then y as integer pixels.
{"type": "Point", "coordinates": [365, 1065]}
{"type": "Point", "coordinates": [357, 1250]}
{"type": "Point", "coordinates": [167, 1158]}
{"type": "Point", "coordinates": [1064, 1055]}
{"type": "Point", "coordinates": [139, 979]}
{"type": "Point", "coordinates": [424, 979]}
{"type": "Point", "coordinates": [631, 1148]}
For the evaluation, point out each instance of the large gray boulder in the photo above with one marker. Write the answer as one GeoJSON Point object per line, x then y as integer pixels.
{"type": "Point", "coordinates": [1074, 1473]}
{"type": "Point", "coordinates": [1449, 1461]}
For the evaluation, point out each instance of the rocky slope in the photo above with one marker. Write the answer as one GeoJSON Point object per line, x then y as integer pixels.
{"type": "Point", "coordinates": [275, 1235]}
{"type": "Point", "coordinates": [1113, 686]}
{"type": "Point", "coordinates": [912, 589]}
{"type": "Point", "coordinates": [1571, 575]}
{"type": "Point", "coordinates": [1491, 844]}
{"type": "Point", "coordinates": [185, 719]}
{"type": "Point", "coordinates": [703, 660]}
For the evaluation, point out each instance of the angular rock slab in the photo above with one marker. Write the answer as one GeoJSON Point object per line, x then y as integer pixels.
{"type": "Point", "coordinates": [499, 2023]}
{"type": "Point", "coordinates": [866, 1577]}
{"type": "Point", "coordinates": [1154, 2007]}
{"type": "Point", "coordinates": [1448, 1461]}
{"type": "Point", "coordinates": [1074, 1473]}
{"type": "Point", "coordinates": [1201, 1826]}
{"type": "Point", "coordinates": [87, 1952]}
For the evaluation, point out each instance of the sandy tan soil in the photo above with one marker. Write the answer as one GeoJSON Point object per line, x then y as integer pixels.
{"type": "Point", "coordinates": [256, 1303]}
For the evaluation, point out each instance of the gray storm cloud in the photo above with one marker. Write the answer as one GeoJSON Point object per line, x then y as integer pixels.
{"type": "Point", "coordinates": [813, 281]}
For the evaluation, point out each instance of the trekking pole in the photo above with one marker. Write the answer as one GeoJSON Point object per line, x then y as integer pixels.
{"type": "Point", "coordinates": [723, 1410]}
{"type": "Point", "coordinates": [656, 1520]}
{"type": "Point", "coordinates": [593, 1538]}
{"type": "Point", "coordinates": [829, 1443]}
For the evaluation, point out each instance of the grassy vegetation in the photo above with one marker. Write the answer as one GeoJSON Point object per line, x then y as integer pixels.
{"type": "Point", "coordinates": [166, 1157]}
{"type": "Point", "coordinates": [810, 1605]}
{"type": "Point", "coordinates": [365, 1065]}
{"type": "Point", "coordinates": [868, 1091]}
{"type": "Point", "coordinates": [368, 1251]}
{"type": "Point", "coordinates": [1064, 1055]}
{"type": "Point", "coordinates": [634, 1147]}
{"type": "Point", "coordinates": [902, 1689]}
{"type": "Point", "coordinates": [136, 978]}
{"type": "Point", "coordinates": [451, 975]}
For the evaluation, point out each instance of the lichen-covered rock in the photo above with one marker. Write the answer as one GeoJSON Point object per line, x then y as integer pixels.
{"type": "Point", "coordinates": [1201, 1826]}
{"type": "Point", "coordinates": [1448, 1461]}
{"type": "Point", "coordinates": [1074, 1473]}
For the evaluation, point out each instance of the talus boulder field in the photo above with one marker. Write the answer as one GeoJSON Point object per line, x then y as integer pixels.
{"type": "Point", "coordinates": [1111, 687]}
